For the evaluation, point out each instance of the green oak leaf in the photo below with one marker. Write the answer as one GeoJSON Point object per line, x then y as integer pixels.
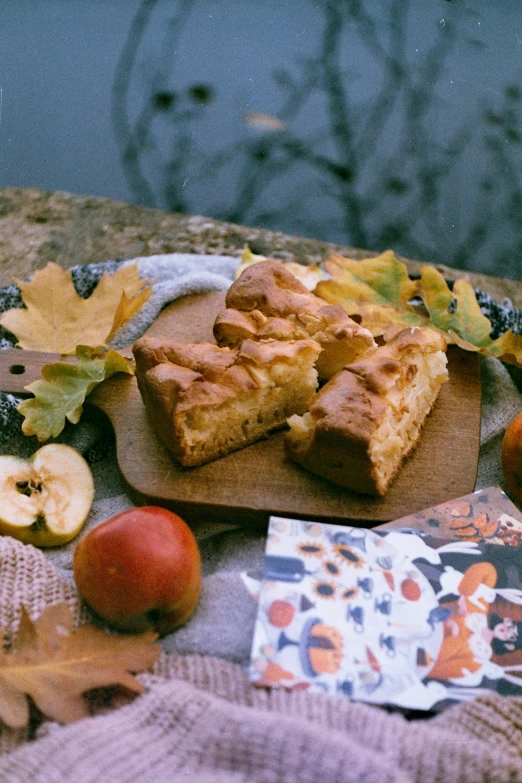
{"type": "Point", "coordinates": [61, 392]}
{"type": "Point", "coordinates": [454, 311]}
{"type": "Point", "coordinates": [457, 313]}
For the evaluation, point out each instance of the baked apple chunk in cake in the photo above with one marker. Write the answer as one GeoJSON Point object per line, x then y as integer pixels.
{"type": "Point", "coordinates": [205, 401]}
{"type": "Point", "coordinates": [369, 417]}
{"type": "Point", "coordinates": [269, 302]}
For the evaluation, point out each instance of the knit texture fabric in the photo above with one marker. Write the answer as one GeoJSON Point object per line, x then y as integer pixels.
{"type": "Point", "coordinates": [199, 719]}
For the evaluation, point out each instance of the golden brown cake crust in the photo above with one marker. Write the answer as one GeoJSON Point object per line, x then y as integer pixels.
{"type": "Point", "coordinates": [344, 415]}
{"type": "Point", "coordinates": [205, 374]}
{"type": "Point", "coordinates": [377, 373]}
{"type": "Point", "coordinates": [269, 302]}
{"type": "Point", "coordinates": [177, 380]}
{"type": "Point", "coordinates": [270, 288]}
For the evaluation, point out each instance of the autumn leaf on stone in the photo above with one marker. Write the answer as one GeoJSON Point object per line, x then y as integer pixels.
{"type": "Point", "coordinates": [55, 665]}
{"type": "Point", "coordinates": [56, 318]}
{"type": "Point", "coordinates": [377, 290]}
{"type": "Point", "coordinates": [61, 392]}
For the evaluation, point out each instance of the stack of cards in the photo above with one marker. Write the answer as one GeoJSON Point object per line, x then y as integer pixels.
{"type": "Point", "coordinates": [395, 616]}
{"type": "Point", "coordinates": [486, 515]}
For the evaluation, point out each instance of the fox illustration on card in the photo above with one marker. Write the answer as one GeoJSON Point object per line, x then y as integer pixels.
{"type": "Point", "coordinates": [389, 617]}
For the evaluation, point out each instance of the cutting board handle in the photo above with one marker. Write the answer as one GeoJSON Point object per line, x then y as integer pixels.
{"type": "Point", "coordinates": [20, 368]}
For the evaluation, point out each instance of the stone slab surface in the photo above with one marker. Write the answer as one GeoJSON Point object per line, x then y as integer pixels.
{"type": "Point", "coordinates": [38, 226]}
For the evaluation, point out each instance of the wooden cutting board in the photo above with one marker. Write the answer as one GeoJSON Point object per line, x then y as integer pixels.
{"type": "Point", "coordinates": [245, 487]}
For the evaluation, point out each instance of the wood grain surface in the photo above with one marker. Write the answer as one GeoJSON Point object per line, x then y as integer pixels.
{"type": "Point", "coordinates": [247, 486]}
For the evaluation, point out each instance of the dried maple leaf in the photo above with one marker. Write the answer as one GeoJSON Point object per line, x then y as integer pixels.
{"type": "Point", "coordinates": [56, 318]}
{"type": "Point", "coordinates": [61, 392]}
{"type": "Point", "coordinates": [55, 665]}
{"type": "Point", "coordinates": [377, 290]}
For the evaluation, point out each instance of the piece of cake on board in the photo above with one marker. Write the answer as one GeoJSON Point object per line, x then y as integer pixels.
{"type": "Point", "coordinates": [368, 418]}
{"type": "Point", "coordinates": [269, 302]}
{"type": "Point", "coordinates": [205, 401]}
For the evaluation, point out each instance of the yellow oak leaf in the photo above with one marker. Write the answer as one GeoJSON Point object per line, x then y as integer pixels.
{"type": "Point", "coordinates": [507, 348]}
{"type": "Point", "coordinates": [377, 290]}
{"type": "Point", "coordinates": [55, 665]}
{"type": "Point", "coordinates": [458, 314]}
{"type": "Point", "coordinates": [379, 293]}
{"type": "Point", "coordinates": [56, 318]}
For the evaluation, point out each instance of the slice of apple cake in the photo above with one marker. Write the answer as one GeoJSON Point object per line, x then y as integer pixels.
{"type": "Point", "coordinates": [365, 421]}
{"type": "Point", "coordinates": [269, 302]}
{"type": "Point", "coordinates": [205, 401]}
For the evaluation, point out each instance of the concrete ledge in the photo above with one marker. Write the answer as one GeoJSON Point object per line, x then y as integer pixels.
{"type": "Point", "coordinates": [38, 226]}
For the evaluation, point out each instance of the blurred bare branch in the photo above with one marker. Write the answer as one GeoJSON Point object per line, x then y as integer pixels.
{"type": "Point", "coordinates": [382, 174]}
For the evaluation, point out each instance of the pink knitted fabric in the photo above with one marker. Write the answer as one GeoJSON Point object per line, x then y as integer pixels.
{"type": "Point", "coordinates": [200, 720]}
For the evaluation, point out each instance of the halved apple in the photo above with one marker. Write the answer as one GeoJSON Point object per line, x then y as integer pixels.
{"type": "Point", "coordinates": [46, 499]}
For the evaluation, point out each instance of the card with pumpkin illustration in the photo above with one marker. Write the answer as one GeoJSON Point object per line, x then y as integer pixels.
{"type": "Point", "coordinates": [387, 616]}
{"type": "Point", "coordinates": [485, 515]}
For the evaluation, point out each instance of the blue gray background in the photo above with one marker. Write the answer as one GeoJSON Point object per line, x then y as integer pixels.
{"type": "Point", "coordinates": [389, 124]}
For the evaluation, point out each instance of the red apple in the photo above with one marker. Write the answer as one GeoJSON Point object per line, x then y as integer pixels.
{"type": "Point", "coordinates": [512, 458]}
{"type": "Point", "coordinates": [140, 570]}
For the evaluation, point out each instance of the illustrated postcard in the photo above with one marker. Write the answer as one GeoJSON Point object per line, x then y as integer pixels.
{"type": "Point", "coordinates": [485, 515]}
{"type": "Point", "coordinates": [388, 617]}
